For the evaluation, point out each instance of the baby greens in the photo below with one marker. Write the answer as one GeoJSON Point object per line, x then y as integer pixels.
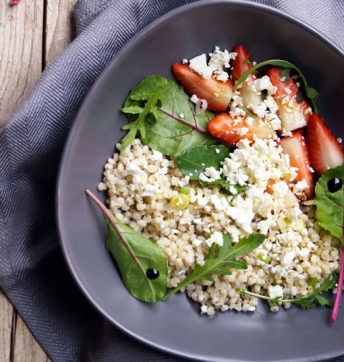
{"type": "Point", "coordinates": [161, 114]}
{"type": "Point", "coordinates": [310, 300]}
{"type": "Point", "coordinates": [143, 264]}
{"type": "Point", "coordinates": [194, 160]}
{"type": "Point", "coordinates": [220, 259]}
{"type": "Point", "coordinates": [137, 258]}
{"type": "Point", "coordinates": [330, 204]}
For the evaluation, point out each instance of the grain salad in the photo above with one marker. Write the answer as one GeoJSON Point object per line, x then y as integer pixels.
{"type": "Point", "coordinates": [141, 183]}
{"type": "Point", "coordinates": [228, 187]}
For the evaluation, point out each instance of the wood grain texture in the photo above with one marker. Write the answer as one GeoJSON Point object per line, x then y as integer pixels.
{"type": "Point", "coordinates": [59, 27]}
{"type": "Point", "coordinates": [32, 34]}
{"type": "Point", "coordinates": [25, 348]}
{"type": "Point", "coordinates": [6, 316]}
{"type": "Point", "coordinates": [21, 30]}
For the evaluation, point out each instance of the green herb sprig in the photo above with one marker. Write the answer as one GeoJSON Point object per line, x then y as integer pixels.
{"type": "Point", "coordinates": [307, 301]}
{"type": "Point", "coordinates": [219, 260]}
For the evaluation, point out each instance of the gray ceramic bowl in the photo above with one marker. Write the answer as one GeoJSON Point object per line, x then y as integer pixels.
{"type": "Point", "coordinates": [175, 326]}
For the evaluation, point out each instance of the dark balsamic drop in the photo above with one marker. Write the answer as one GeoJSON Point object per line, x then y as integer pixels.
{"type": "Point", "coordinates": [335, 184]}
{"type": "Point", "coordinates": [152, 274]}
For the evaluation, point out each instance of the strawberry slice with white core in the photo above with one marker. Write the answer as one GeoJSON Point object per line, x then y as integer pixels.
{"type": "Point", "coordinates": [325, 151]}
{"type": "Point", "coordinates": [217, 93]}
{"type": "Point", "coordinates": [293, 115]}
{"type": "Point", "coordinates": [231, 130]}
{"type": "Point", "coordinates": [240, 65]}
{"type": "Point", "coordinates": [295, 146]}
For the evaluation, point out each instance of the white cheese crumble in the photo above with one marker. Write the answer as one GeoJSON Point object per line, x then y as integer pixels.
{"type": "Point", "coordinates": [275, 291]}
{"type": "Point", "coordinates": [218, 62]}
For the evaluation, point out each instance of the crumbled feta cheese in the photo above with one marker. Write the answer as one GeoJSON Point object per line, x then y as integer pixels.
{"type": "Point", "coordinates": [200, 66]}
{"type": "Point", "coordinates": [215, 238]}
{"type": "Point", "coordinates": [275, 291]}
{"type": "Point", "coordinates": [210, 174]}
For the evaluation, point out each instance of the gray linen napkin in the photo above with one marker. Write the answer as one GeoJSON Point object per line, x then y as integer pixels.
{"type": "Point", "coordinates": [33, 272]}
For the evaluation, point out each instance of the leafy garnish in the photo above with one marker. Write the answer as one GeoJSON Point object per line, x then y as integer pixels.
{"type": "Point", "coordinates": [220, 259]}
{"type": "Point", "coordinates": [306, 301]}
{"type": "Point", "coordinates": [330, 207]}
{"type": "Point", "coordinates": [310, 93]}
{"type": "Point", "coordinates": [142, 264]}
{"type": "Point", "coordinates": [194, 160]}
{"type": "Point", "coordinates": [161, 112]}
{"type": "Point", "coordinates": [149, 109]}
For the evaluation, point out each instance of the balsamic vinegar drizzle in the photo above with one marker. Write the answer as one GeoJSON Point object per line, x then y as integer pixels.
{"type": "Point", "coordinates": [335, 184]}
{"type": "Point", "coordinates": [152, 274]}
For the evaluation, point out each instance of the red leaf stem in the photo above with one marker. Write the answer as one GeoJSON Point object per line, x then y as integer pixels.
{"type": "Point", "coordinates": [339, 287]}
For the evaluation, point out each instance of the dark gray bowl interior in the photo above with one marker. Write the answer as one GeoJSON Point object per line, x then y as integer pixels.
{"type": "Point", "coordinates": [175, 326]}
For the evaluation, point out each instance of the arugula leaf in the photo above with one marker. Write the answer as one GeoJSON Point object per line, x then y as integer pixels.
{"type": "Point", "coordinates": [330, 205]}
{"type": "Point", "coordinates": [307, 301]}
{"type": "Point", "coordinates": [142, 264]}
{"type": "Point", "coordinates": [194, 160]}
{"type": "Point", "coordinates": [220, 258]}
{"type": "Point", "coordinates": [168, 122]}
{"type": "Point", "coordinates": [310, 93]}
{"type": "Point", "coordinates": [138, 126]}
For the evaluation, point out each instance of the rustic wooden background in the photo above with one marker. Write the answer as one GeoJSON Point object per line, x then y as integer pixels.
{"type": "Point", "coordinates": [32, 34]}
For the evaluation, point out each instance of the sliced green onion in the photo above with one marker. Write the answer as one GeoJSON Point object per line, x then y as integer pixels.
{"type": "Point", "coordinates": [185, 190]}
{"type": "Point", "coordinates": [264, 258]}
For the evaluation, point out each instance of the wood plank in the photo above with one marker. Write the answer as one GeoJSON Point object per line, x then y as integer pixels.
{"type": "Point", "coordinates": [21, 29]}
{"type": "Point", "coordinates": [26, 348]}
{"type": "Point", "coordinates": [31, 36]}
{"type": "Point", "coordinates": [59, 27]}
{"type": "Point", "coordinates": [21, 37]}
{"type": "Point", "coordinates": [6, 315]}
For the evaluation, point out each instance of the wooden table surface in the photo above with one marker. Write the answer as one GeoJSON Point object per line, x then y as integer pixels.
{"type": "Point", "coordinates": [32, 34]}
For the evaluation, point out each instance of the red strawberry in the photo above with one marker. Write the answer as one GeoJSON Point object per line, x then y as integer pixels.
{"type": "Point", "coordinates": [324, 149]}
{"type": "Point", "coordinates": [240, 65]}
{"type": "Point", "coordinates": [293, 114]}
{"type": "Point", "coordinates": [218, 94]}
{"type": "Point", "coordinates": [232, 130]}
{"type": "Point", "coordinates": [295, 146]}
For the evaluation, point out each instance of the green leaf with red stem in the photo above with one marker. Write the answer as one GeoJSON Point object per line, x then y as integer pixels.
{"type": "Point", "coordinates": [161, 114]}
{"type": "Point", "coordinates": [142, 263]}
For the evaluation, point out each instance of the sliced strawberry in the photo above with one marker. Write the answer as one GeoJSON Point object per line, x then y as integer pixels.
{"type": "Point", "coordinates": [239, 66]}
{"type": "Point", "coordinates": [293, 114]}
{"type": "Point", "coordinates": [295, 146]}
{"type": "Point", "coordinates": [218, 94]}
{"type": "Point", "coordinates": [324, 149]}
{"type": "Point", "coordinates": [241, 63]}
{"type": "Point", "coordinates": [290, 199]}
{"type": "Point", "coordinates": [232, 130]}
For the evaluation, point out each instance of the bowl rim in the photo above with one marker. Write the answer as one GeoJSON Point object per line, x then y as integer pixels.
{"type": "Point", "coordinates": [126, 48]}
